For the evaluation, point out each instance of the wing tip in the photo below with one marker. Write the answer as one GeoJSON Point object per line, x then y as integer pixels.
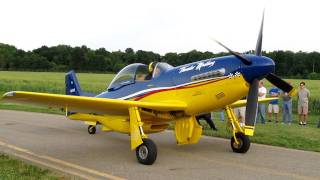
{"type": "Point", "coordinates": [11, 93]}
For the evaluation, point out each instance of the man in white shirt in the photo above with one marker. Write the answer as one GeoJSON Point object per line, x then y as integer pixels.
{"type": "Point", "coordinates": [262, 92]}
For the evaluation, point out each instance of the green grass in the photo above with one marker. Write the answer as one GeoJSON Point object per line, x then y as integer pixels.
{"type": "Point", "coordinates": [30, 108]}
{"type": "Point", "coordinates": [15, 169]}
{"type": "Point", "coordinates": [290, 136]}
{"type": "Point", "coordinates": [52, 82]}
{"type": "Point", "coordinates": [294, 136]}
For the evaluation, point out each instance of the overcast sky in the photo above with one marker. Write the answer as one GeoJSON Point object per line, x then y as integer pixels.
{"type": "Point", "coordinates": [161, 26]}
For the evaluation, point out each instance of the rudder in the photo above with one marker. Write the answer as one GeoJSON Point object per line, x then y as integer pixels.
{"type": "Point", "coordinates": [72, 84]}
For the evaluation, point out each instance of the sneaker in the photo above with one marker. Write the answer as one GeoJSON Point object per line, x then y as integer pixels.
{"type": "Point", "coordinates": [300, 123]}
{"type": "Point", "coordinates": [304, 123]}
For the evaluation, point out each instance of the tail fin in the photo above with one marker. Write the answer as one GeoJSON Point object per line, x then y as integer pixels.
{"type": "Point", "coordinates": [73, 86]}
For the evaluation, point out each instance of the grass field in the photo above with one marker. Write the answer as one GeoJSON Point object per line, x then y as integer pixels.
{"type": "Point", "coordinates": [16, 169]}
{"type": "Point", "coordinates": [52, 82]}
{"type": "Point", "coordinates": [294, 136]}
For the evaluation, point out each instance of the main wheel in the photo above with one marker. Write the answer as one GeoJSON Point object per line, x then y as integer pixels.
{"type": "Point", "coordinates": [91, 129]}
{"type": "Point", "coordinates": [244, 143]}
{"type": "Point", "coordinates": [147, 152]}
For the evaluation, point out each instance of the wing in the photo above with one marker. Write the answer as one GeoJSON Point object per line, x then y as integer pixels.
{"type": "Point", "coordinates": [88, 104]}
{"type": "Point", "coordinates": [244, 102]}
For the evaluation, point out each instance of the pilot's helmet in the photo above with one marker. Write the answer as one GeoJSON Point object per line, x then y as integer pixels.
{"type": "Point", "coordinates": [152, 65]}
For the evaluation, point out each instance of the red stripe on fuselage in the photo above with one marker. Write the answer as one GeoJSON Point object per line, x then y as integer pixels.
{"type": "Point", "coordinates": [177, 88]}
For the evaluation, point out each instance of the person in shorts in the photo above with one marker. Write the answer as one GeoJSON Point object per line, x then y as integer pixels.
{"type": "Point", "coordinates": [273, 108]}
{"type": "Point", "coordinates": [303, 102]}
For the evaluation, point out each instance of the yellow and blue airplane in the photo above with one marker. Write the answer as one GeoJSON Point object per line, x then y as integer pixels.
{"type": "Point", "coordinates": [144, 99]}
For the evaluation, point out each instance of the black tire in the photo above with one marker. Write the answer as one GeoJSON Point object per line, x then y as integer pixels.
{"type": "Point", "coordinates": [147, 152]}
{"type": "Point", "coordinates": [244, 143]}
{"type": "Point", "coordinates": [91, 129]}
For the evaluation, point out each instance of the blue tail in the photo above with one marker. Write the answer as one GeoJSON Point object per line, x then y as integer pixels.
{"type": "Point", "coordinates": [73, 86]}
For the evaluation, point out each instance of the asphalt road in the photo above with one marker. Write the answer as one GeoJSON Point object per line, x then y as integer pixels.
{"type": "Point", "coordinates": [64, 145]}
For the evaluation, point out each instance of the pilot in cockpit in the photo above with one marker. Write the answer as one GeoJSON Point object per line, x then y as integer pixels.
{"type": "Point", "coordinates": [153, 71]}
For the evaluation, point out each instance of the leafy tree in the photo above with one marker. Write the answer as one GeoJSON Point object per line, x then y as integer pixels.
{"type": "Point", "coordinates": [63, 58]}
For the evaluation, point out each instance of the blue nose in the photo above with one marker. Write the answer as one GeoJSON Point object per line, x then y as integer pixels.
{"type": "Point", "coordinates": [261, 66]}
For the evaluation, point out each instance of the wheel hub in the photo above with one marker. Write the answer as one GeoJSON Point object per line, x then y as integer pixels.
{"type": "Point", "coordinates": [238, 146]}
{"type": "Point", "coordinates": [143, 152]}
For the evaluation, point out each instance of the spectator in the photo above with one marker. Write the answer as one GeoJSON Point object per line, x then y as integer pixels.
{"type": "Point", "coordinates": [303, 101]}
{"type": "Point", "coordinates": [208, 119]}
{"type": "Point", "coordinates": [261, 107]}
{"type": "Point", "coordinates": [286, 108]}
{"type": "Point", "coordinates": [240, 113]}
{"type": "Point", "coordinates": [273, 107]}
{"type": "Point", "coordinates": [222, 115]}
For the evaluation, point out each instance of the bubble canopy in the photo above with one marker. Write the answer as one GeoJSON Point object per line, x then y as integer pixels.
{"type": "Point", "coordinates": [137, 72]}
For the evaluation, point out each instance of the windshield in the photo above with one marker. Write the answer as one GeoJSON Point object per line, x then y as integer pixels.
{"type": "Point", "coordinates": [126, 76]}
{"type": "Point", "coordinates": [136, 72]}
{"type": "Point", "coordinates": [161, 68]}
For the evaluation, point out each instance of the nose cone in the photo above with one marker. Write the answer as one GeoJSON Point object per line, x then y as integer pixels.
{"type": "Point", "coordinates": [261, 66]}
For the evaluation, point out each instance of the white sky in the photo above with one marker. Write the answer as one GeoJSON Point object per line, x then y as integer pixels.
{"type": "Point", "coordinates": [161, 26]}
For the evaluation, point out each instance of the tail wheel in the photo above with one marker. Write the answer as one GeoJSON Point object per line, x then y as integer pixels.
{"type": "Point", "coordinates": [91, 129]}
{"type": "Point", "coordinates": [244, 143]}
{"type": "Point", "coordinates": [147, 152]}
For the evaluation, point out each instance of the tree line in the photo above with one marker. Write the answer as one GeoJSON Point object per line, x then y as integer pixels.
{"type": "Point", "coordinates": [64, 57]}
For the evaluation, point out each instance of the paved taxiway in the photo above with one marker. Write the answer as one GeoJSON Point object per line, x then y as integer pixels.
{"type": "Point", "coordinates": [64, 145]}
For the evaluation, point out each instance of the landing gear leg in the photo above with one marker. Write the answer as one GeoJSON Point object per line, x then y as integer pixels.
{"type": "Point", "coordinates": [91, 129]}
{"type": "Point", "coordinates": [146, 149]}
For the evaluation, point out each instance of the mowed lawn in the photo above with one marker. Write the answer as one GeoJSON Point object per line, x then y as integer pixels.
{"type": "Point", "coordinates": [15, 169]}
{"type": "Point", "coordinates": [294, 136]}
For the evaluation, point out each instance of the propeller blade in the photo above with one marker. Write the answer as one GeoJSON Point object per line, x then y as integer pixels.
{"type": "Point", "coordinates": [278, 82]}
{"type": "Point", "coordinates": [252, 104]}
{"type": "Point", "coordinates": [238, 55]}
{"type": "Point", "coordinates": [258, 51]}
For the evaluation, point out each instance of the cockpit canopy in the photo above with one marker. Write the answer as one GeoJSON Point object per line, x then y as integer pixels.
{"type": "Point", "coordinates": [137, 72]}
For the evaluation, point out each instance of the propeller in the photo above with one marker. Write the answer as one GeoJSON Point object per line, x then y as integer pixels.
{"type": "Point", "coordinates": [283, 85]}
{"type": "Point", "coordinates": [252, 97]}
{"type": "Point", "coordinates": [236, 54]}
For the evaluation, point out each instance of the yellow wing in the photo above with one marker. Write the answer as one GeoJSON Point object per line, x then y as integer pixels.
{"type": "Point", "coordinates": [244, 102]}
{"type": "Point", "coordinates": [87, 104]}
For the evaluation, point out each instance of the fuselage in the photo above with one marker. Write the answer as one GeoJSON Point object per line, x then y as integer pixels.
{"type": "Point", "coordinates": [204, 86]}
